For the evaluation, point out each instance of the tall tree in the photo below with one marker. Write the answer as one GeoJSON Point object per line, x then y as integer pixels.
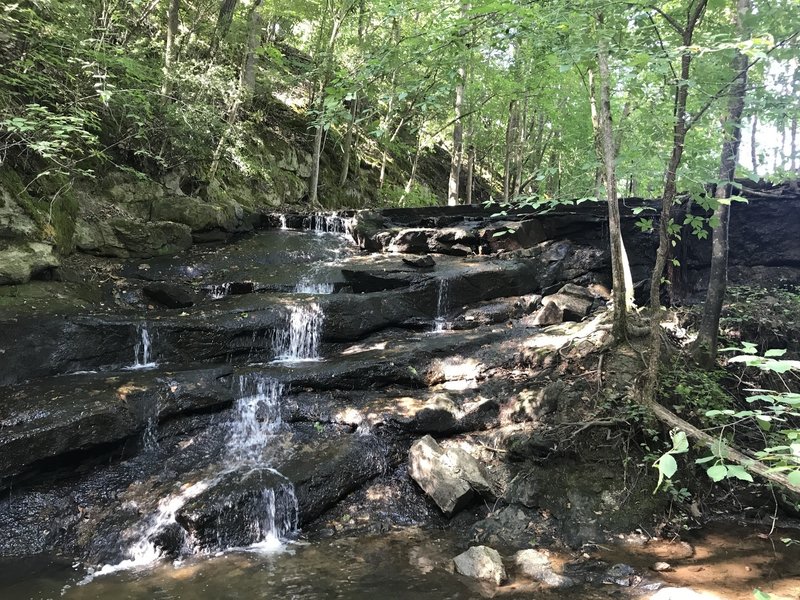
{"type": "Point", "coordinates": [706, 343]}
{"type": "Point", "coordinates": [170, 50]}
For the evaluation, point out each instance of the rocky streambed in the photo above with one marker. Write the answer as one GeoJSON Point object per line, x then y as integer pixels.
{"type": "Point", "coordinates": [334, 377]}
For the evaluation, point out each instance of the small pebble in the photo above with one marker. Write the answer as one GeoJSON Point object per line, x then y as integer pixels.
{"type": "Point", "coordinates": [661, 566]}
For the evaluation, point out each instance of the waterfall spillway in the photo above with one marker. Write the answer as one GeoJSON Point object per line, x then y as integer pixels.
{"type": "Point", "coordinates": [262, 520]}
{"type": "Point", "coordinates": [440, 321]}
{"type": "Point", "coordinates": [257, 417]}
{"type": "Point", "coordinates": [299, 340]}
{"type": "Point", "coordinates": [141, 350]}
{"type": "Point", "coordinates": [305, 286]}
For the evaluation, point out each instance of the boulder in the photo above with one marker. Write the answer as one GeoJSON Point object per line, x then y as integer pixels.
{"type": "Point", "coordinates": [170, 295]}
{"type": "Point", "coordinates": [449, 477]}
{"type": "Point", "coordinates": [21, 261]}
{"type": "Point", "coordinates": [197, 214]}
{"type": "Point", "coordinates": [536, 565]}
{"type": "Point", "coordinates": [575, 301]}
{"type": "Point", "coordinates": [549, 314]}
{"type": "Point", "coordinates": [481, 562]}
{"type": "Point", "coordinates": [125, 238]}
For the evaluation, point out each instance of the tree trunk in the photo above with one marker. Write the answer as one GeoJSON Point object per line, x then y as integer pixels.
{"type": "Point", "coordinates": [706, 343]}
{"type": "Point", "coordinates": [510, 128]}
{"type": "Point", "coordinates": [173, 20]}
{"type": "Point", "coordinates": [620, 323]}
{"type": "Point", "coordinates": [348, 142]}
{"type": "Point", "coordinates": [753, 153]}
{"type": "Point", "coordinates": [247, 81]}
{"type": "Point", "coordinates": [313, 180]}
{"type": "Point", "coordinates": [458, 133]}
{"type": "Point", "coordinates": [224, 20]}
{"type": "Point", "coordinates": [668, 196]}
{"type": "Point", "coordinates": [470, 173]}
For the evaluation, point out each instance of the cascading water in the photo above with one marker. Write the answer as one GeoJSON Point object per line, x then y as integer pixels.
{"type": "Point", "coordinates": [328, 223]}
{"type": "Point", "coordinates": [257, 418]}
{"type": "Point", "coordinates": [141, 350]}
{"type": "Point", "coordinates": [305, 286]}
{"type": "Point", "coordinates": [440, 322]}
{"type": "Point", "coordinates": [299, 341]}
{"type": "Point", "coordinates": [255, 421]}
{"type": "Point", "coordinates": [282, 219]}
{"type": "Point", "coordinates": [219, 291]}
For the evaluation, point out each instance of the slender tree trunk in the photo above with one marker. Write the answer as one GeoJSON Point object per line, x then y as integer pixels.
{"type": "Point", "coordinates": [338, 20]}
{"type": "Point", "coordinates": [470, 173]}
{"type": "Point", "coordinates": [413, 175]}
{"type": "Point", "coordinates": [793, 146]}
{"type": "Point", "coordinates": [510, 129]}
{"type": "Point", "coordinates": [620, 322]}
{"type": "Point", "coordinates": [706, 344]}
{"type": "Point", "coordinates": [348, 142]}
{"type": "Point", "coordinates": [753, 153]}
{"type": "Point", "coordinates": [173, 21]}
{"type": "Point", "coordinates": [697, 8]}
{"type": "Point", "coordinates": [224, 20]}
{"type": "Point", "coordinates": [519, 150]}
{"type": "Point", "coordinates": [246, 86]}
{"type": "Point", "coordinates": [458, 134]}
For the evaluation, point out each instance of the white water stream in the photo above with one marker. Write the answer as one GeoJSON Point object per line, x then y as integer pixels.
{"type": "Point", "coordinates": [142, 358]}
{"type": "Point", "coordinates": [299, 341]}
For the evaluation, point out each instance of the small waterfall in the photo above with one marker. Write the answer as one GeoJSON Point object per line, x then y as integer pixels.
{"type": "Point", "coordinates": [328, 223]}
{"type": "Point", "coordinates": [440, 322]}
{"type": "Point", "coordinates": [282, 220]}
{"type": "Point", "coordinates": [256, 419]}
{"type": "Point", "coordinates": [272, 516]}
{"type": "Point", "coordinates": [305, 286]}
{"type": "Point", "coordinates": [219, 291]}
{"type": "Point", "coordinates": [299, 341]}
{"type": "Point", "coordinates": [141, 350]}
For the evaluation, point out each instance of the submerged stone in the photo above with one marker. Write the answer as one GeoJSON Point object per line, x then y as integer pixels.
{"type": "Point", "coordinates": [481, 562]}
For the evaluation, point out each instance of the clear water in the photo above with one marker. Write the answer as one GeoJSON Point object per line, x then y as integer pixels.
{"type": "Point", "coordinates": [142, 358]}
{"type": "Point", "coordinates": [728, 563]}
{"type": "Point", "coordinates": [440, 322]}
{"type": "Point", "coordinates": [299, 341]}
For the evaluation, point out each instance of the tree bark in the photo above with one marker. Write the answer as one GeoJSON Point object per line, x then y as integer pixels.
{"type": "Point", "coordinates": [224, 20]}
{"type": "Point", "coordinates": [510, 129]}
{"type": "Point", "coordinates": [470, 173]}
{"type": "Point", "coordinates": [706, 343]}
{"type": "Point", "coordinates": [753, 153]}
{"type": "Point", "coordinates": [173, 21]}
{"type": "Point", "coordinates": [458, 134]}
{"type": "Point", "coordinates": [348, 142]}
{"type": "Point", "coordinates": [620, 316]}
{"type": "Point", "coordinates": [246, 86]}
{"type": "Point", "coordinates": [680, 127]}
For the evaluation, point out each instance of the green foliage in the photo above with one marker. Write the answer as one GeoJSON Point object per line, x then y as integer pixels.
{"type": "Point", "coordinates": [694, 392]}
{"type": "Point", "coordinates": [397, 196]}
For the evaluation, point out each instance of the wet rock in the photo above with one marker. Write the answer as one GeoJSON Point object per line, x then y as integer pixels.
{"type": "Point", "coordinates": [661, 567]}
{"type": "Point", "coordinates": [241, 508]}
{"type": "Point", "coordinates": [450, 477]}
{"type": "Point", "coordinates": [170, 295]}
{"type": "Point", "coordinates": [481, 562]}
{"type": "Point", "coordinates": [19, 261]}
{"type": "Point", "coordinates": [536, 565]}
{"type": "Point", "coordinates": [682, 593]}
{"type": "Point", "coordinates": [420, 262]}
{"type": "Point", "coordinates": [510, 527]}
{"type": "Point", "coordinates": [621, 574]}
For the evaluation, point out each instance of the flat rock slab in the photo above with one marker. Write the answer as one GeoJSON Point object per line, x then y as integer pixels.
{"type": "Point", "coordinates": [536, 565]}
{"type": "Point", "coordinates": [48, 418]}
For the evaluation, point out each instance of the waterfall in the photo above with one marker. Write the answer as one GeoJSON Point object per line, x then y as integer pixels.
{"type": "Point", "coordinates": [257, 417]}
{"type": "Point", "coordinates": [141, 350]}
{"type": "Point", "coordinates": [219, 290]}
{"type": "Point", "coordinates": [440, 322]}
{"type": "Point", "coordinates": [327, 223]}
{"type": "Point", "coordinates": [299, 341]}
{"type": "Point", "coordinates": [282, 219]}
{"type": "Point", "coordinates": [306, 286]}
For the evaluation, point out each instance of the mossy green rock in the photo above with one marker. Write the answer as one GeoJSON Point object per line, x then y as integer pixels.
{"type": "Point", "coordinates": [124, 238]}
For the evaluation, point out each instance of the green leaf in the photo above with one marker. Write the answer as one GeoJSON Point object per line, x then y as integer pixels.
{"type": "Point", "coordinates": [794, 477]}
{"type": "Point", "coordinates": [759, 595]}
{"type": "Point", "coordinates": [774, 353]}
{"type": "Point", "coordinates": [668, 465]}
{"type": "Point", "coordinates": [739, 472]}
{"type": "Point", "coordinates": [717, 472]}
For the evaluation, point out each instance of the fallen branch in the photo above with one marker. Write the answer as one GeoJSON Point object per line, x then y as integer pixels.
{"type": "Point", "coordinates": [751, 464]}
